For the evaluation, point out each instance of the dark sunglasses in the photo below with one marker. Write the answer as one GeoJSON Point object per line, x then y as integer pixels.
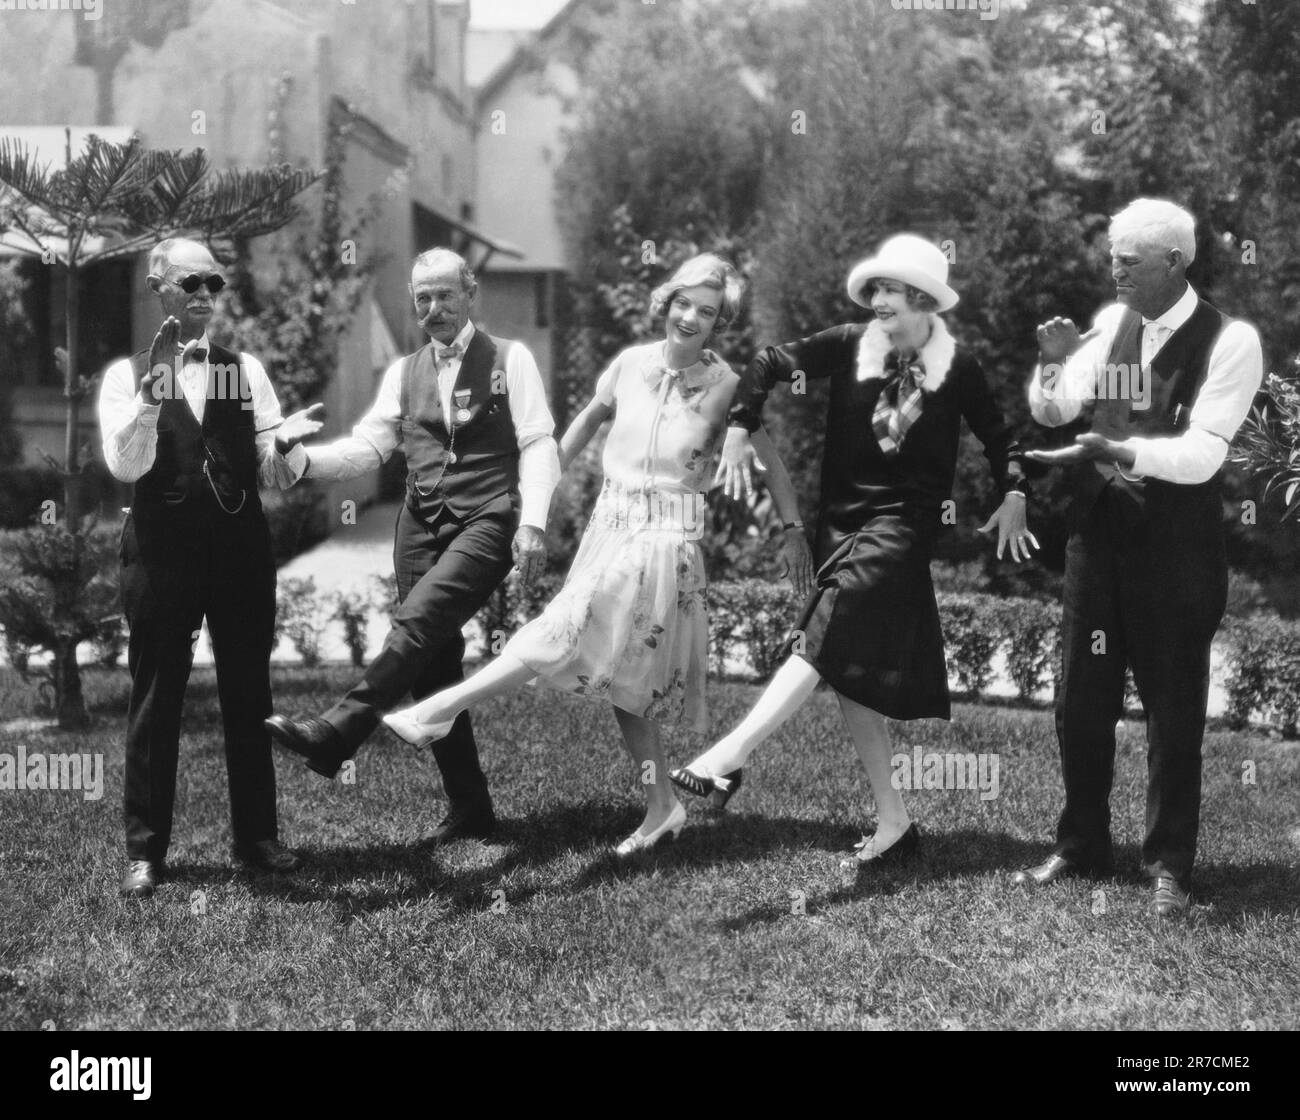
{"type": "Point", "coordinates": [193, 282]}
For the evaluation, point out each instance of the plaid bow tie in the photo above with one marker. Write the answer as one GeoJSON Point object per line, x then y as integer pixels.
{"type": "Point", "coordinates": [899, 404]}
{"type": "Point", "coordinates": [449, 353]}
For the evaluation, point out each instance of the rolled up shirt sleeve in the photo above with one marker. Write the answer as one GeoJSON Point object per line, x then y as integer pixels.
{"type": "Point", "coordinates": [1059, 392]}
{"type": "Point", "coordinates": [539, 459]}
{"type": "Point", "coordinates": [273, 469]}
{"type": "Point", "coordinates": [128, 426]}
{"type": "Point", "coordinates": [374, 437]}
{"type": "Point", "coordinates": [1234, 375]}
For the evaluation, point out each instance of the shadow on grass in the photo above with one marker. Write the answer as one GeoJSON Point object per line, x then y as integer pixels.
{"type": "Point", "coordinates": [357, 880]}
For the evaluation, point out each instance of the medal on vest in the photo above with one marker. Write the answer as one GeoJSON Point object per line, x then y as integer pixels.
{"type": "Point", "coordinates": [462, 405]}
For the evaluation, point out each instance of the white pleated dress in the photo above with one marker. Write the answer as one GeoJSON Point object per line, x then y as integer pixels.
{"type": "Point", "coordinates": [630, 625]}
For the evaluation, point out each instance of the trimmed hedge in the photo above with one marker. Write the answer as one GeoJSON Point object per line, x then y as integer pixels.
{"type": "Point", "coordinates": [1264, 672]}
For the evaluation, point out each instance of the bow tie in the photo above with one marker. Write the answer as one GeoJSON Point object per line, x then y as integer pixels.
{"type": "Point", "coordinates": [911, 371]}
{"type": "Point", "coordinates": [656, 375]}
{"type": "Point", "coordinates": [198, 354]}
{"type": "Point", "coordinates": [449, 353]}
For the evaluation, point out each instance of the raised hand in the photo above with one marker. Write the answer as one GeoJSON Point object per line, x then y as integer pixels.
{"type": "Point", "coordinates": [298, 426]}
{"type": "Point", "coordinates": [162, 358]}
{"type": "Point", "coordinates": [1012, 527]}
{"type": "Point", "coordinates": [737, 466]}
{"type": "Point", "coordinates": [1057, 339]}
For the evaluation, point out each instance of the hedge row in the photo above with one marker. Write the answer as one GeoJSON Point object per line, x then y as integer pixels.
{"type": "Point", "coordinates": [750, 621]}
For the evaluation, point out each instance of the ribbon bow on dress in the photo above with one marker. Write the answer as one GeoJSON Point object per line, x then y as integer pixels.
{"type": "Point", "coordinates": [899, 404]}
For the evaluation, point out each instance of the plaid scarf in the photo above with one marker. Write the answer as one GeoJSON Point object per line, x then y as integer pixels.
{"type": "Point", "coordinates": [899, 404]}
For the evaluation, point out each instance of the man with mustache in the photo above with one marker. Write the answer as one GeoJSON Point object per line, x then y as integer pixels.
{"type": "Point", "coordinates": [470, 413]}
{"type": "Point", "coordinates": [197, 428]}
{"type": "Point", "coordinates": [1169, 379]}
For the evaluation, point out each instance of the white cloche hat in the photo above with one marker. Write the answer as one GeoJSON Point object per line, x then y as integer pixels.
{"type": "Point", "coordinates": [911, 260]}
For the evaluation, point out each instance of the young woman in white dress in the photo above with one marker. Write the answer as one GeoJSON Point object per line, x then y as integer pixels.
{"type": "Point", "coordinates": [629, 625]}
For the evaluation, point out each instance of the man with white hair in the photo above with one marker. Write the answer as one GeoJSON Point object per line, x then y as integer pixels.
{"type": "Point", "coordinates": [470, 413]}
{"type": "Point", "coordinates": [196, 428]}
{"type": "Point", "coordinates": [1168, 379]}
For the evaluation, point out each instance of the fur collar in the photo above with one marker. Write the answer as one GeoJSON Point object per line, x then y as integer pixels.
{"type": "Point", "coordinates": [937, 354]}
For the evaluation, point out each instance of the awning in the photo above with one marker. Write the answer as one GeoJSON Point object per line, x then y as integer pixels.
{"type": "Point", "coordinates": [470, 242]}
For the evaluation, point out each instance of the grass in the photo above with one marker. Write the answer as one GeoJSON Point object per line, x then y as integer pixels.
{"type": "Point", "coordinates": [544, 929]}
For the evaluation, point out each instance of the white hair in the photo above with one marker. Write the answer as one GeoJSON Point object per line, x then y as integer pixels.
{"type": "Point", "coordinates": [431, 258]}
{"type": "Point", "coordinates": [160, 254]}
{"type": "Point", "coordinates": [1157, 224]}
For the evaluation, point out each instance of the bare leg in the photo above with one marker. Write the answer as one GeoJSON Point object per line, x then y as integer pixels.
{"type": "Point", "coordinates": [645, 744]}
{"type": "Point", "coordinates": [871, 740]}
{"type": "Point", "coordinates": [790, 686]}
{"type": "Point", "coordinates": [503, 674]}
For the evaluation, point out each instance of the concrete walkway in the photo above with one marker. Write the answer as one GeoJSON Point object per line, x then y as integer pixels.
{"type": "Point", "coordinates": [348, 560]}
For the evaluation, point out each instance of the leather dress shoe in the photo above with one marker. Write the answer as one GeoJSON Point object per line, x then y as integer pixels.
{"type": "Point", "coordinates": [867, 858]}
{"type": "Point", "coordinates": [475, 822]}
{"type": "Point", "coordinates": [267, 855]}
{"type": "Point", "coordinates": [141, 878]}
{"type": "Point", "coordinates": [1054, 867]}
{"type": "Point", "coordinates": [1169, 900]}
{"type": "Point", "coordinates": [311, 739]}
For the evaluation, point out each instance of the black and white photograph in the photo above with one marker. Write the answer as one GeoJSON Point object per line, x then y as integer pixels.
{"type": "Point", "coordinates": [651, 515]}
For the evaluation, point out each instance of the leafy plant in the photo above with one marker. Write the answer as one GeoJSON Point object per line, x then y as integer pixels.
{"type": "Point", "coordinates": [300, 616]}
{"type": "Point", "coordinates": [111, 201]}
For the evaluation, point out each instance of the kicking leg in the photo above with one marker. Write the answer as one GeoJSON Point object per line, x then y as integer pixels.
{"type": "Point", "coordinates": [790, 686]}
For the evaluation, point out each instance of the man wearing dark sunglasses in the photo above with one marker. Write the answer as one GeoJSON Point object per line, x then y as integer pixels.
{"type": "Point", "coordinates": [196, 428]}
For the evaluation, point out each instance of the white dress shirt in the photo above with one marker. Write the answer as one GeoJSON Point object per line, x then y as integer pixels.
{"type": "Point", "coordinates": [379, 433]}
{"type": "Point", "coordinates": [1235, 371]}
{"type": "Point", "coordinates": [129, 424]}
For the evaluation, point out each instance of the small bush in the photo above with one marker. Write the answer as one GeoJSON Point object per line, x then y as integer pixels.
{"type": "Point", "coordinates": [1031, 628]}
{"type": "Point", "coordinates": [352, 609]}
{"type": "Point", "coordinates": [752, 615]}
{"type": "Point", "coordinates": [301, 618]}
{"type": "Point", "coordinates": [1264, 672]}
{"type": "Point", "coordinates": [971, 636]}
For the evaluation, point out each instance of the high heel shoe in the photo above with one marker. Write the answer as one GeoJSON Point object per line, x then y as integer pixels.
{"type": "Point", "coordinates": [687, 779]}
{"type": "Point", "coordinates": [420, 735]}
{"type": "Point", "coordinates": [867, 858]}
{"type": "Point", "coordinates": [720, 796]}
{"type": "Point", "coordinates": [643, 842]}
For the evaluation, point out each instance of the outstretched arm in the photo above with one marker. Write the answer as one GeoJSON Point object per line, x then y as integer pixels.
{"type": "Point", "coordinates": [585, 425]}
{"type": "Point", "coordinates": [798, 556]}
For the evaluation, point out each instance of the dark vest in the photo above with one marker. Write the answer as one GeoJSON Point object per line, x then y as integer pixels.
{"type": "Point", "coordinates": [463, 461]}
{"type": "Point", "coordinates": [202, 469]}
{"type": "Point", "coordinates": [1170, 385]}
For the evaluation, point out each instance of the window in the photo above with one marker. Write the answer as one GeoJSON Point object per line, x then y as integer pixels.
{"type": "Point", "coordinates": [105, 328]}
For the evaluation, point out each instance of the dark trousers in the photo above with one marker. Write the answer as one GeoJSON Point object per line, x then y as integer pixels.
{"type": "Point", "coordinates": [1147, 592]}
{"type": "Point", "coordinates": [175, 572]}
{"type": "Point", "coordinates": [445, 570]}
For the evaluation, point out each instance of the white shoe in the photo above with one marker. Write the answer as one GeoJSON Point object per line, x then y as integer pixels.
{"type": "Point", "coordinates": [643, 842]}
{"type": "Point", "coordinates": [419, 735]}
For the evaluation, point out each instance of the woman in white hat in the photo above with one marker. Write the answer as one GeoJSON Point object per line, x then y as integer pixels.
{"type": "Point", "coordinates": [899, 389]}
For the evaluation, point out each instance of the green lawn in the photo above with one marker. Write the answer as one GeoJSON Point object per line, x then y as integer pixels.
{"type": "Point", "coordinates": [544, 929]}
